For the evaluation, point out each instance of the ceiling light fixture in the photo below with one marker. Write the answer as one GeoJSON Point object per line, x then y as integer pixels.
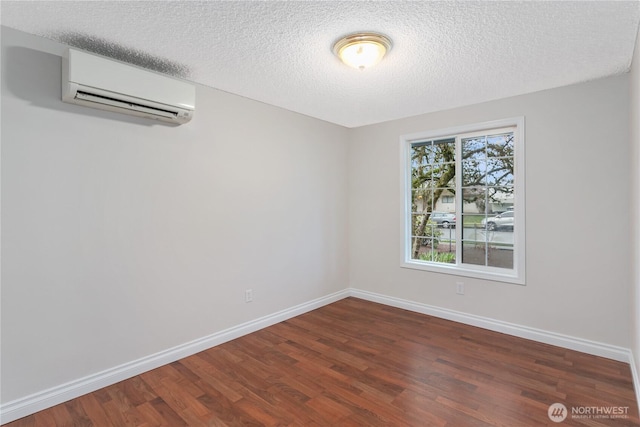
{"type": "Point", "coordinates": [362, 50]}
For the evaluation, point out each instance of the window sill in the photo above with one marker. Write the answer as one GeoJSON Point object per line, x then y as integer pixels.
{"type": "Point", "coordinates": [485, 273]}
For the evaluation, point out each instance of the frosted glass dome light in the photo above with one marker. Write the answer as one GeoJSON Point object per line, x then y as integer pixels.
{"type": "Point", "coordinates": [362, 50]}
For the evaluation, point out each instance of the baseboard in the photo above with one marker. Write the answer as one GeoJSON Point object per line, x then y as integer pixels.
{"type": "Point", "coordinates": [620, 354]}
{"type": "Point", "coordinates": [19, 408]}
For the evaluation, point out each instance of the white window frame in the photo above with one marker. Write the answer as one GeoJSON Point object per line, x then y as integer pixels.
{"type": "Point", "coordinates": [515, 275]}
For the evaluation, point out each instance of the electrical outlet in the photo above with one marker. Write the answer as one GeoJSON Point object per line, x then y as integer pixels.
{"type": "Point", "coordinates": [248, 295]}
{"type": "Point", "coordinates": [460, 288]}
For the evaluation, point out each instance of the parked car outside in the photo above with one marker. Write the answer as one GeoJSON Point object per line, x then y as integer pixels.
{"type": "Point", "coordinates": [443, 219]}
{"type": "Point", "coordinates": [502, 221]}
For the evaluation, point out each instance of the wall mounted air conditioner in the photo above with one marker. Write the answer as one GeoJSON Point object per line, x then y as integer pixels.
{"type": "Point", "coordinates": [101, 83]}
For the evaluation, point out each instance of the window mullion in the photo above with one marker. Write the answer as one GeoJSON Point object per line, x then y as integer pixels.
{"type": "Point", "coordinates": [459, 217]}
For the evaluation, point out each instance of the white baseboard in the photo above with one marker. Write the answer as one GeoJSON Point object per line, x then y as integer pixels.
{"type": "Point", "coordinates": [620, 354]}
{"type": "Point", "coordinates": [19, 408]}
{"type": "Point", "coordinates": [28, 405]}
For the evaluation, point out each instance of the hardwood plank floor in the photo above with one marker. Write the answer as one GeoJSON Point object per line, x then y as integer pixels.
{"type": "Point", "coordinates": [357, 363]}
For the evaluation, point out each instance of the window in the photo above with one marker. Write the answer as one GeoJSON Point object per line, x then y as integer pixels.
{"type": "Point", "coordinates": [463, 210]}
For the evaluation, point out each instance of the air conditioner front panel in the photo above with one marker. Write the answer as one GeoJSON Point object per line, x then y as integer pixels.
{"type": "Point", "coordinates": [94, 71]}
{"type": "Point", "coordinates": [96, 82]}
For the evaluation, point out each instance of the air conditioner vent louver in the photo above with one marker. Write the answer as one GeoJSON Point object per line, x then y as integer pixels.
{"type": "Point", "coordinates": [84, 96]}
{"type": "Point", "coordinates": [101, 83]}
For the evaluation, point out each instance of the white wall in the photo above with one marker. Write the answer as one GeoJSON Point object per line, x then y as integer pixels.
{"type": "Point", "coordinates": [635, 208]}
{"type": "Point", "coordinates": [577, 168]}
{"type": "Point", "coordinates": [122, 237]}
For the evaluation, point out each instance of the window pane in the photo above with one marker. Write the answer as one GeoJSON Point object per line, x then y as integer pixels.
{"type": "Point", "coordinates": [500, 256]}
{"type": "Point", "coordinates": [500, 145]}
{"type": "Point", "coordinates": [445, 150]}
{"type": "Point", "coordinates": [421, 176]}
{"type": "Point", "coordinates": [445, 204]}
{"type": "Point", "coordinates": [474, 148]}
{"type": "Point", "coordinates": [447, 256]}
{"type": "Point", "coordinates": [474, 173]}
{"type": "Point", "coordinates": [500, 171]}
{"type": "Point", "coordinates": [425, 238]}
{"type": "Point", "coordinates": [422, 200]}
{"type": "Point", "coordinates": [474, 200]}
{"type": "Point", "coordinates": [473, 253]}
{"type": "Point", "coordinates": [492, 255]}
{"type": "Point", "coordinates": [475, 233]}
{"type": "Point", "coordinates": [422, 152]}
{"type": "Point", "coordinates": [501, 226]}
{"type": "Point", "coordinates": [416, 221]}
{"type": "Point", "coordinates": [422, 229]}
{"type": "Point", "coordinates": [471, 221]}
{"type": "Point", "coordinates": [444, 175]}
{"type": "Point", "coordinates": [499, 229]}
{"type": "Point", "coordinates": [500, 199]}
{"type": "Point", "coordinates": [439, 246]}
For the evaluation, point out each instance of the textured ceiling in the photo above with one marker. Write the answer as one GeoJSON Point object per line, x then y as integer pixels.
{"type": "Point", "coordinates": [445, 54]}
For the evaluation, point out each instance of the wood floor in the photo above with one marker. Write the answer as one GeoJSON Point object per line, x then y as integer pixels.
{"type": "Point", "coordinates": [357, 363]}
